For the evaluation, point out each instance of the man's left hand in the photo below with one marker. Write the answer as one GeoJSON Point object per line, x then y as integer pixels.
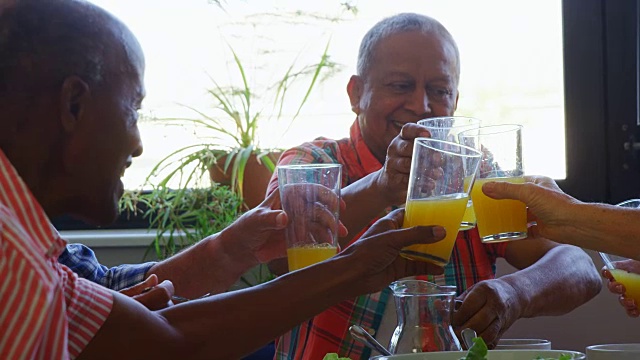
{"type": "Point", "coordinates": [489, 307]}
{"type": "Point", "coordinates": [615, 287]}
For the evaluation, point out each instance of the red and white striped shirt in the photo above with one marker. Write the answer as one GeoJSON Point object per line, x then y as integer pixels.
{"type": "Point", "coordinates": [46, 311]}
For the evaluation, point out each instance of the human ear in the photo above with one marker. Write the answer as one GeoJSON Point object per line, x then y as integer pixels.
{"type": "Point", "coordinates": [74, 97]}
{"type": "Point", "coordinates": [354, 89]}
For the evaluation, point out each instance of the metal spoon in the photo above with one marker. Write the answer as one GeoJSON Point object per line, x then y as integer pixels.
{"type": "Point", "coordinates": [359, 334]}
{"type": "Point", "coordinates": [468, 335]}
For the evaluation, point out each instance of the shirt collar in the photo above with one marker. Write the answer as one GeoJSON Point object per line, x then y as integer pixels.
{"type": "Point", "coordinates": [16, 196]}
{"type": "Point", "coordinates": [368, 161]}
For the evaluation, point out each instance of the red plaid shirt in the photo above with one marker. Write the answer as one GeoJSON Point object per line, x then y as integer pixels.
{"type": "Point", "coordinates": [46, 312]}
{"type": "Point", "coordinates": [471, 262]}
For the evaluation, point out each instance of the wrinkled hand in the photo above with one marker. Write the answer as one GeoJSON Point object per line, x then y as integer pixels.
{"type": "Point", "coordinates": [149, 293]}
{"type": "Point", "coordinates": [376, 254]}
{"type": "Point", "coordinates": [393, 178]}
{"type": "Point", "coordinates": [489, 307]}
{"type": "Point", "coordinates": [259, 234]}
{"type": "Point", "coordinates": [629, 305]}
{"type": "Point", "coordinates": [312, 211]}
{"type": "Point", "coordinates": [546, 203]}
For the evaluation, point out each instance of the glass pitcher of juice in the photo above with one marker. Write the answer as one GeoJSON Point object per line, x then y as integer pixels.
{"type": "Point", "coordinates": [424, 317]}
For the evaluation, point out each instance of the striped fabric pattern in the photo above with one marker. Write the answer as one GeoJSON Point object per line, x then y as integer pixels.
{"type": "Point", "coordinates": [471, 262]}
{"type": "Point", "coordinates": [46, 312]}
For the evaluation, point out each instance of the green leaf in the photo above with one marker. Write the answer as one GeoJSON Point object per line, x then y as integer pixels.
{"type": "Point", "coordinates": [334, 356]}
{"type": "Point", "coordinates": [478, 350]}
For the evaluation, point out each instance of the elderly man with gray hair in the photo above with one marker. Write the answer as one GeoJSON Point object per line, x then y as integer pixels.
{"type": "Point", "coordinates": [409, 69]}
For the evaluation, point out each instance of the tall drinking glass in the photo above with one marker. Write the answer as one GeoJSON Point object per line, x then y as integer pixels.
{"type": "Point", "coordinates": [448, 128]}
{"type": "Point", "coordinates": [439, 183]}
{"type": "Point", "coordinates": [501, 147]}
{"type": "Point", "coordinates": [310, 195]}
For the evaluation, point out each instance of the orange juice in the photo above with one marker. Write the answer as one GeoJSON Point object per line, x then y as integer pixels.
{"type": "Point", "coordinates": [469, 218]}
{"type": "Point", "coordinates": [445, 211]}
{"type": "Point", "coordinates": [499, 220]}
{"type": "Point", "coordinates": [630, 281]}
{"type": "Point", "coordinates": [309, 254]}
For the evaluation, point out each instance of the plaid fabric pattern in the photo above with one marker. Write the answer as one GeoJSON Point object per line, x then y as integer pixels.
{"type": "Point", "coordinates": [471, 262]}
{"type": "Point", "coordinates": [82, 260]}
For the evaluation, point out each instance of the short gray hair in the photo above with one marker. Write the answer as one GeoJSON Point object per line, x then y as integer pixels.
{"type": "Point", "coordinates": [399, 23]}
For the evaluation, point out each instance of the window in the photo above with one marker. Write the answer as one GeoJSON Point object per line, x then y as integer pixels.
{"type": "Point", "coordinates": [565, 70]}
{"type": "Point", "coordinates": [511, 65]}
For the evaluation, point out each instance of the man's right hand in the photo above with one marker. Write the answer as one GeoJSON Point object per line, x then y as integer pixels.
{"type": "Point", "coordinates": [259, 234]}
{"type": "Point", "coordinates": [149, 293]}
{"type": "Point", "coordinates": [376, 254]}
{"type": "Point", "coordinates": [393, 178]}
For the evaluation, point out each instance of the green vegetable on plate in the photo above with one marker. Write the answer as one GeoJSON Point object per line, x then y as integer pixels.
{"type": "Point", "coordinates": [334, 356]}
{"type": "Point", "coordinates": [479, 351]}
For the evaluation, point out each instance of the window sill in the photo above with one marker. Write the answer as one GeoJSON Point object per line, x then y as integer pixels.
{"type": "Point", "coordinates": [110, 238]}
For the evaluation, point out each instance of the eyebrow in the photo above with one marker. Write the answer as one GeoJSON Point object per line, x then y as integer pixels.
{"type": "Point", "coordinates": [445, 78]}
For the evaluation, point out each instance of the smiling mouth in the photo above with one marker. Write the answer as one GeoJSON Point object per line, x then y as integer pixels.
{"type": "Point", "coordinates": [398, 124]}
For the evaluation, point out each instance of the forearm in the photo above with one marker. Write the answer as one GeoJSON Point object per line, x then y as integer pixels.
{"type": "Point", "coordinates": [364, 204]}
{"type": "Point", "coordinates": [561, 280]}
{"type": "Point", "coordinates": [282, 306]}
{"type": "Point", "coordinates": [601, 227]}
{"type": "Point", "coordinates": [206, 267]}
{"type": "Point", "coordinates": [225, 326]}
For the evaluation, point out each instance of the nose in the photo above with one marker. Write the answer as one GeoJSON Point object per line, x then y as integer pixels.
{"type": "Point", "coordinates": [418, 103]}
{"type": "Point", "coordinates": [138, 144]}
{"type": "Point", "coordinates": [138, 151]}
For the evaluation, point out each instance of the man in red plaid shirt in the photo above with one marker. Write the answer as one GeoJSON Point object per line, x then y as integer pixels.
{"type": "Point", "coordinates": [408, 69]}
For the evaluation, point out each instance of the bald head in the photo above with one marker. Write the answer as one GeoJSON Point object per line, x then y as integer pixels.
{"type": "Point", "coordinates": [42, 42]}
{"type": "Point", "coordinates": [404, 22]}
{"type": "Point", "coordinates": [71, 83]}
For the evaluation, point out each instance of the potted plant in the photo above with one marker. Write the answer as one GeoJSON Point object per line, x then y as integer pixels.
{"type": "Point", "coordinates": [234, 123]}
{"type": "Point", "coordinates": [188, 212]}
{"type": "Point", "coordinates": [183, 217]}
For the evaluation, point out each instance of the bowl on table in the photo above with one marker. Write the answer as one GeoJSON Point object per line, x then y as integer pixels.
{"type": "Point", "coordinates": [524, 344]}
{"type": "Point", "coordinates": [493, 355]}
{"type": "Point", "coordinates": [613, 352]}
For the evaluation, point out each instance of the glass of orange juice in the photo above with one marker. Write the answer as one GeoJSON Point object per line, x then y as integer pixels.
{"type": "Point", "coordinates": [618, 266]}
{"type": "Point", "coordinates": [448, 128]}
{"type": "Point", "coordinates": [439, 182]}
{"type": "Point", "coordinates": [310, 195]}
{"type": "Point", "coordinates": [501, 147]}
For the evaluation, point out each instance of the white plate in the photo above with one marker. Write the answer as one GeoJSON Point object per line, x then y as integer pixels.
{"type": "Point", "coordinates": [493, 355]}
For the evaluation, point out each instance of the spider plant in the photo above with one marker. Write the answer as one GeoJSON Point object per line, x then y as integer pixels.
{"type": "Point", "coordinates": [236, 121]}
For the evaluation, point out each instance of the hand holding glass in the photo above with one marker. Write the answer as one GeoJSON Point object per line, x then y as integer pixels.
{"type": "Point", "coordinates": [310, 195]}
{"type": "Point", "coordinates": [501, 147]}
{"type": "Point", "coordinates": [439, 182]}
{"type": "Point", "coordinates": [448, 128]}
{"type": "Point", "coordinates": [618, 265]}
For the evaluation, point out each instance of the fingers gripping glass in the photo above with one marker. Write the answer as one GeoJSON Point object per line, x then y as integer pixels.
{"type": "Point", "coordinates": [448, 128]}
{"type": "Point", "coordinates": [617, 265]}
{"type": "Point", "coordinates": [310, 195]}
{"type": "Point", "coordinates": [501, 147]}
{"type": "Point", "coordinates": [440, 179]}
